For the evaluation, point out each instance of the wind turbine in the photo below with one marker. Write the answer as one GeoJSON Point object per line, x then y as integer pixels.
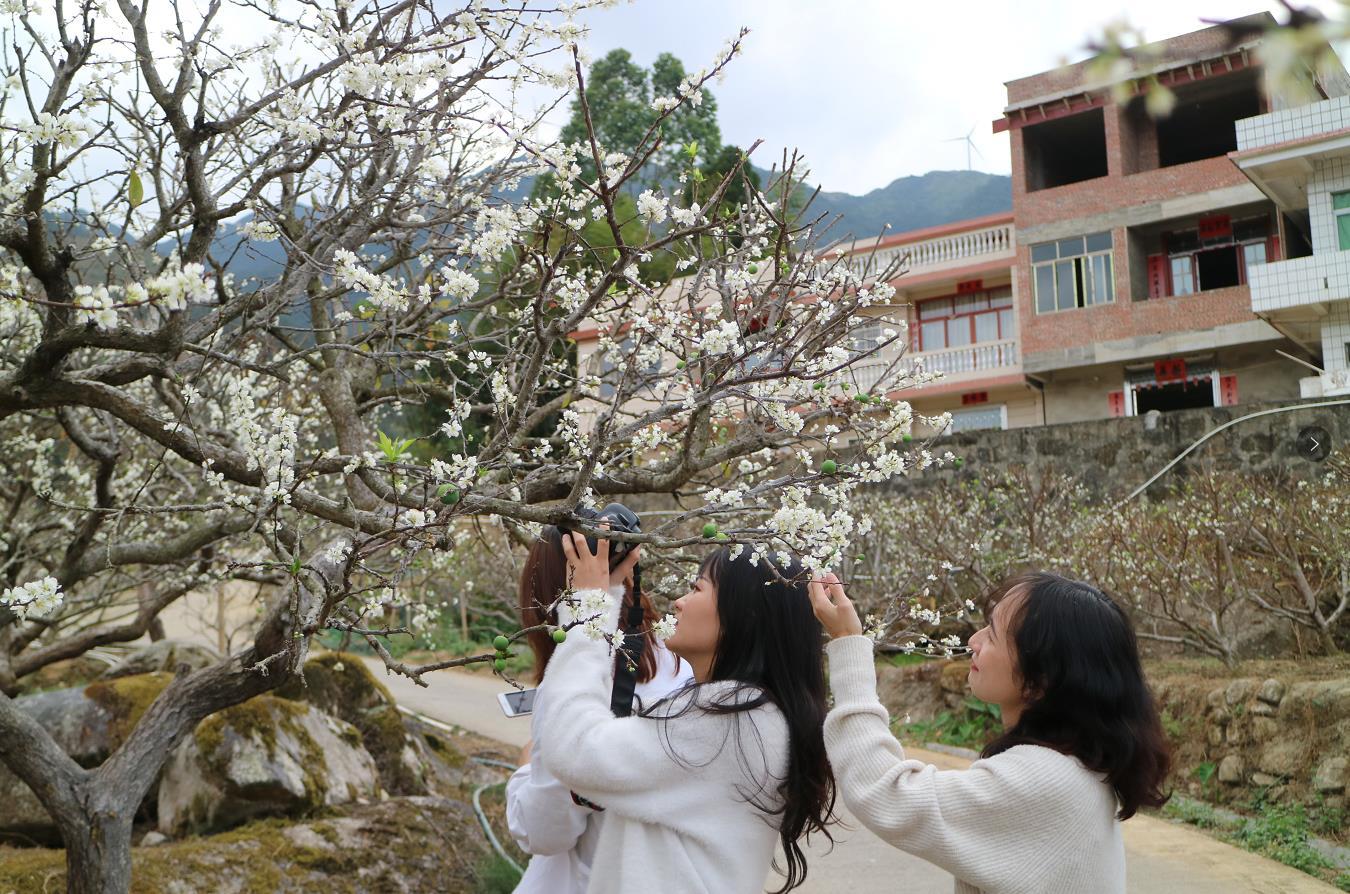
{"type": "Point", "coordinates": [970, 147]}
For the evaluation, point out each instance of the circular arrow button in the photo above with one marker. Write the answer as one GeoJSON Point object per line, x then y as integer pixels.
{"type": "Point", "coordinates": [1313, 443]}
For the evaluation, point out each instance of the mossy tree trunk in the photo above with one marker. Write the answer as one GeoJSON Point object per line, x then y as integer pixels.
{"type": "Point", "coordinates": [94, 809]}
{"type": "Point", "coordinates": [98, 850]}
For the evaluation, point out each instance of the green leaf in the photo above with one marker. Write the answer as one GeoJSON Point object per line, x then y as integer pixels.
{"type": "Point", "coordinates": [135, 191]}
{"type": "Point", "coordinates": [691, 149]}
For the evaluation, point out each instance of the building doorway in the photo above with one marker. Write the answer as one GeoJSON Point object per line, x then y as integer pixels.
{"type": "Point", "coordinates": [1166, 397]}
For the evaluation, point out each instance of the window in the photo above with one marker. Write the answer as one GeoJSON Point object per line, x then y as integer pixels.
{"type": "Point", "coordinates": [974, 420]}
{"type": "Point", "coordinates": [1214, 256]}
{"type": "Point", "coordinates": [963, 320]}
{"type": "Point", "coordinates": [1073, 273]}
{"type": "Point", "coordinates": [1065, 150]}
{"type": "Point", "coordinates": [608, 378]}
{"type": "Point", "coordinates": [1202, 123]}
{"type": "Point", "coordinates": [1183, 276]}
{"type": "Point", "coordinates": [1340, 206]}
{"type": "Point", "coordinates": [866, 336]}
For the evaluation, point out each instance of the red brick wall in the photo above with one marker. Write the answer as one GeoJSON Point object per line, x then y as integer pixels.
{"type": "Point", "coordinates": [1124, 318]}
{"type": "Point", "coordinates": [1207, 42]}
{"type": "Point", "coordinates": [1116, 190]}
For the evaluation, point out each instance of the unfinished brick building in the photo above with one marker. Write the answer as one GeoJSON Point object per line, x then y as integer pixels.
{"type": "Point", "coordinates": [1135, 236]}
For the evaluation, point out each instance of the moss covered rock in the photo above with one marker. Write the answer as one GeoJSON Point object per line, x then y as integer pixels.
{"type": "Point", "coordinates": [166, 656]}
{"type": "Point", "coordinates": [404, 845]}
{"type": "Point", "coordinates": [88, 722]}
{"type": "Point", "coordinates": [126, 699]}
{"type": "Point", "coordinates": [266, 757]}
{"type": "Point", "coordinates": [341, 684]}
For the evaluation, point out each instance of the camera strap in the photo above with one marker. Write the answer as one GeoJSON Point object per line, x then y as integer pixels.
{"type": "Point", "coordinates": [627, 660]}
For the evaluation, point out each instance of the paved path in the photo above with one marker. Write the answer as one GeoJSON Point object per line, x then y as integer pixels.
{"type": "Point", "coordinates": [1162, 858]}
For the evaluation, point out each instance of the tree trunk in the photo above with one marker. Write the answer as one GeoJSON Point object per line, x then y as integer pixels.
{"type": "Point", "coordinates": [1329, 646]}
{"type": "Point", "coordinates": [98, 852]}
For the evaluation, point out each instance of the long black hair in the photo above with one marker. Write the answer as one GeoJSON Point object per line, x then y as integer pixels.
{"type": "Point", "coordinates": [771, 645]}
{"type": "Point", "coordinates": [1086, 695]}
{"type": "Point", "coordinates": [543, 580]}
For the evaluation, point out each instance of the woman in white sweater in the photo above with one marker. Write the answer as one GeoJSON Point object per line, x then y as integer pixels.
{"type": "Point", "coordinates": [545, 820]}
{"type": "Point", "coordinates": [699, 788]}
{"type": "Point", "coordinates": [1082, 746]}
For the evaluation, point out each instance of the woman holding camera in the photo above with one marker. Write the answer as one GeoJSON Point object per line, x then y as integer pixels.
{"type": "Point", "coordinates": [559, 833]}
{"type": "Point", "coordinates": [1082, 745]}
{"type": "Point", "coordinates": [699, 788]}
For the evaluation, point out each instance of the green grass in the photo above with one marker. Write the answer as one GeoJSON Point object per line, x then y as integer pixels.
{"type": "Point", "coordinates": [496, 876]}
{"type": "Point", "coordinates": [1280, 832]}
{"type": "Point", "coordinates": [974, 726]}
{"type": "Point", "coordinates": [903, 659]}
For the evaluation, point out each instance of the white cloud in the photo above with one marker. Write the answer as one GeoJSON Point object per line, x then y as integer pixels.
{"type": "Point", "coordinates": [871, 90]}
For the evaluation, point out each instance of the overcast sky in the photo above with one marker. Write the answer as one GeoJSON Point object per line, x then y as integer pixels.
{"type": "Point", "coordinates": [870, 90]}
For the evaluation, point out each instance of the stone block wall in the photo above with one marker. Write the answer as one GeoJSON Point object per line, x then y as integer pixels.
{"type": "Point", "coordinates": [1113, 456]}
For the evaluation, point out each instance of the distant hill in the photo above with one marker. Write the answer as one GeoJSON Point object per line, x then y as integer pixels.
{"type": "Point", "coordinates": [911, 203]}
{"type": "Point", "coordinates": [908, 203]}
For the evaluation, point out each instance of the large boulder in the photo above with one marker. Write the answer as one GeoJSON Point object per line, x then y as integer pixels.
{"type": "Point", "coordinates": [398, 846]}
{"type": "Point", "coordinates": [88, 722]}
{"type": "Point", "coordinates": [342, 685]}
{"type": "Point", "coordinates": [267, 756]}
{"type": "Point", "coordinates": [165, 656]}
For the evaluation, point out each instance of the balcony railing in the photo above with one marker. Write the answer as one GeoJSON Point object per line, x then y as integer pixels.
{"type": "Point", "coordinates": [1298, 282]}
{"type": "Point", "coordinates": [993, 356]}
{"type": "Point", "coordinates": [941, 251]}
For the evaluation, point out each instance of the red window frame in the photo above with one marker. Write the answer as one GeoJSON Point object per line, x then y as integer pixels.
{"type": "Point", "coordinates": [987, 294]}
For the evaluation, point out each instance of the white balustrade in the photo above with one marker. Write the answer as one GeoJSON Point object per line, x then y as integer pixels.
{"type": "Point", "coordinates": [938, 251]}
{"type": "Point", "coordinates": [977, 358]}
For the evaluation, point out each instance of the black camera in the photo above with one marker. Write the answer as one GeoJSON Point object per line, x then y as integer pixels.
{"type": "Point", "coordinates": [620, 518]}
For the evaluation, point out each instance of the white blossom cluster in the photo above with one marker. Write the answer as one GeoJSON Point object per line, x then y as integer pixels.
{"type": "Point", "coordinates": [34, 599]}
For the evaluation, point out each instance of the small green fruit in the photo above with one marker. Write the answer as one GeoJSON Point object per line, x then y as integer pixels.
{"type": "Point", "coordinates": [753, 269]}
{"type": "Point", "coordinates": [501, 643]}
{"type": "Point", "coordinates": [680, 364]}
{"type": "Point", "coordinates": [906, 437]}
{"type": "Point", "coordinates": [863, 398]}
{"type": "Point", "coordinates": [709, 529]}
{"type": "Point", "coordinates": [721, 537]}
{"type": "Point", "coordinates": [819, 386]}
{"type": "Point", "coordinates": [449, 496]}
{"type": "Point", "coordinates": [958, 462]}
{"type": "Point", "coordinates": [560, 636]}
{"type": "Point", "coordinates": [499, 665]}
{"type": "Point", "coordinates": [829, 467]}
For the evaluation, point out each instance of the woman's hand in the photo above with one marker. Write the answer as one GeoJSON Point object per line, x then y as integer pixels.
{"type": "Point", "coordinates": [586, 570]}
{"type": "Point", "coordinates": [833, 609]}
{"type": "Point", "coordinates": [623, 572]}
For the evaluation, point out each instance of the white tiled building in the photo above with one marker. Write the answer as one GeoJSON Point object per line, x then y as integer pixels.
{"type": "Point", "coordinates": [1300, 158]}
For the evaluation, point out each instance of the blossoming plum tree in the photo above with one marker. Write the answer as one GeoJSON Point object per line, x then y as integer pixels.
{"type": "Point", "coordinates": [238, 240]}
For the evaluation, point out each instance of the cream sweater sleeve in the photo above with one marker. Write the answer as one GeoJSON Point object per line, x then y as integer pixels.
{"type": "Point", "coordinates": [607, 759]}
{"type": "Point", "coordinates": [997, 825]}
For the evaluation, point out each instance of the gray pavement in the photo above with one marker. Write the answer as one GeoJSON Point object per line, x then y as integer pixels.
{"type": "Point", "coordinates": [1162, 858]}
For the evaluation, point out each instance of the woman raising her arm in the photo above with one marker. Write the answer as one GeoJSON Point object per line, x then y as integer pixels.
{"type": "Point", "coordinates": [1082, 746]}
{"type": "Point", "coordinates": [699, 788]}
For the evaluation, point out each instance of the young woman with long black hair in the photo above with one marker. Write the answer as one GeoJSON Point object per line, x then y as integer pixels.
{"type": "Point", "coordinates": [699, 788]}
{"type": "Point", "coordinates": [1082, 745]}
{"type": "Point", "coordinates": [560, 834]}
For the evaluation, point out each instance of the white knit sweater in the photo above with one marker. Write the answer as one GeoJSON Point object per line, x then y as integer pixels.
{"type": "Point", "coordinates": [1027, 820]}
{"type": "Point", "coordinates": [543, 819]}
{"type": "Point", "coordinates": [682, 826]}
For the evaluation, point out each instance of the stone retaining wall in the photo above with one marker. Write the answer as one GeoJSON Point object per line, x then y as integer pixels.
{"type": "Point", "coordinates": [1231, 738]}
{"type": "Point", "coordinates": [1117, 455]}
